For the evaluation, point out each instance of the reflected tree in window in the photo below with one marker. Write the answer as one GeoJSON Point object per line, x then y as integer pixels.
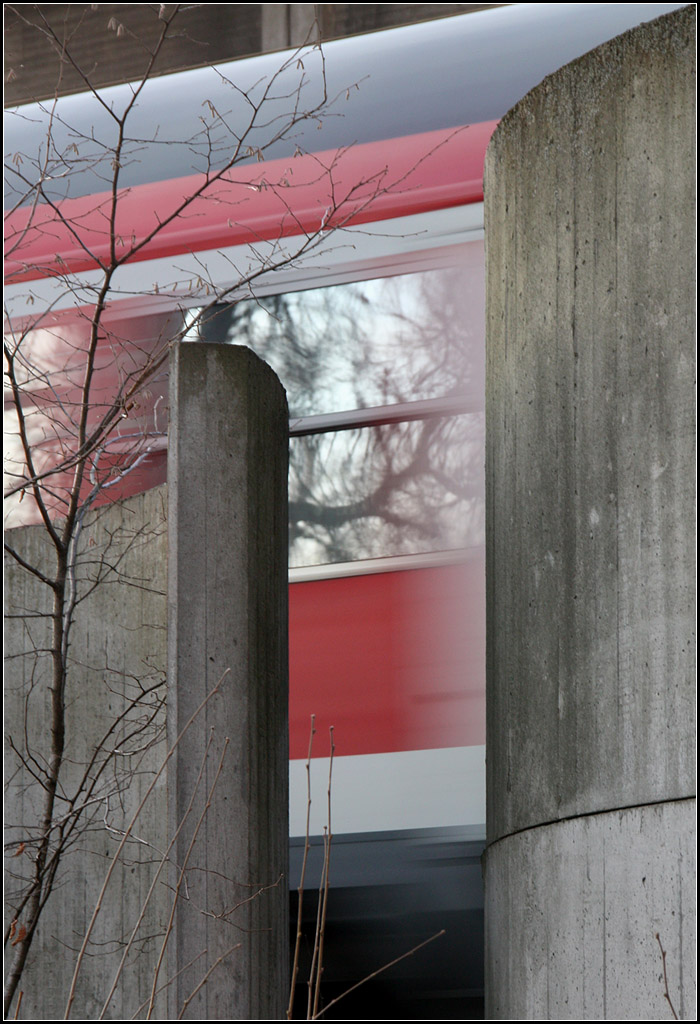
{"type": "Point", "coordinates": [386, 490]}
{"type": "Point", "coordinates": [391, 488]}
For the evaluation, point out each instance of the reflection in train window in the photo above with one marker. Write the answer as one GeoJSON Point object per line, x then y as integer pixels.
{"type": "Point", "coordinates": [393, 489]}
{"type": "Point", "coordinates": [368, 343]}
{"type": "Point", "coordinates": [398, 349]}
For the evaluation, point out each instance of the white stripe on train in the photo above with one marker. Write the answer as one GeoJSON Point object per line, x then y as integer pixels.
{"type": "Point", "coordinates": [409, 789]}
{"type": "Point", "coordinates": [398, 242]}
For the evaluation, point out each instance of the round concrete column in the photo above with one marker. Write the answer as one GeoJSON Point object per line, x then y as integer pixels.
{"type": "Point", "coordinates": [590, 548]}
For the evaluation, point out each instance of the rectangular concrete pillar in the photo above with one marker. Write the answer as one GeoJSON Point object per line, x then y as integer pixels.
{"type": "Point", "coordinates": [227, 636]}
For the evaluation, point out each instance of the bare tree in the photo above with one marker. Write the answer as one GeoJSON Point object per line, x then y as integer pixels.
{"type": "Point", "coordinates": [86, 404]}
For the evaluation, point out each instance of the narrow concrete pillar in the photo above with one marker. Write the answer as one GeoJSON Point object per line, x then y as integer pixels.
{"type": "Point", "coordinates": [590, 544]}
{"type": "Point", "coordinates": [284, 25]}
{"type": "Point", "coordinates": [227, 636]}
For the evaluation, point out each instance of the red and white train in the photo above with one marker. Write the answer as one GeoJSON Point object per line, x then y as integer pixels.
{"type": "Point", "coordinates": [359, 242]}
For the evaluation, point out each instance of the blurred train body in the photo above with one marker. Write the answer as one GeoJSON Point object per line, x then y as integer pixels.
{"type": "Point", "coordinates": [378, 336]}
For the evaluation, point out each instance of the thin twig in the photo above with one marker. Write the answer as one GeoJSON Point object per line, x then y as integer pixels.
{"type": "Point", "coordinates": [181, 878]}
{"type": "Point", "coordinates": [375, 973]}
{"type": "Point", "coordinates": [166, 984]}
{"type": "Point", "coordinates": [127, 833]}
{"type": "Point", "coordinates": [326, 883]}
{"type": "Point", "coordinates": [204, 980]}
{"type": "Point", "coordinates": [156, 876]}
{"type": "Point", "coordinates": [300, 890]}
{"type": "Point", "coordinates": [666, 992]}
{"type": "Point", "coordinates": [311, 982]}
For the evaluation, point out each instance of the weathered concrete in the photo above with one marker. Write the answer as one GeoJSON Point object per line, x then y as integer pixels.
{"type": "Point", "coordinates": [283, 25]}
{"type": "Point", "coordinates": [590, 469]}
{"type": "Point", "coordinates": [574, 911]}
{"type": "Point", "coordinates": [117, 653]}
{"type": "Point", "coordinates": [591, 424]}
{"type": "Point", "coordinates": [227, 620]}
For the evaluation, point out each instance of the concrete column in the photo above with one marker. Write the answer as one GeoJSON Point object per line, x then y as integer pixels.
{"type": "Point", "coordinates": [227, 619]}
{"type": "Point", "coordinates": [590, 545]}
{"type": "Point", "coordinates": [288, 25]}
{"type": "Point", "coordinates": [117, 650]}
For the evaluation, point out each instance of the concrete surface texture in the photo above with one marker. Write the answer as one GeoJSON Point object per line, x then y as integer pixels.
{"type": "Point", "coordinates": [590, 499]}
{"type": "Point", "coordinates": [227, 667]}
{"type": "Point", "coordinates": [228, 598]}
{"type": "Point", "coordinates": [589, 950]}
{"type": "Point", "coordinates": [117, 652]}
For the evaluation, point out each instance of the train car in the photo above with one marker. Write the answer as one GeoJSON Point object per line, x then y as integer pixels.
{"type": "Point", "coordinates": [344, 245]}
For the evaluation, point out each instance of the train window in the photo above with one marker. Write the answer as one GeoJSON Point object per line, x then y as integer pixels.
{"type": "Point", "coordinates": [393, 489]}
{"type": "Point", "coordinates": [384, 378]}
{"type": "Point", "coordinates": [369, 343]}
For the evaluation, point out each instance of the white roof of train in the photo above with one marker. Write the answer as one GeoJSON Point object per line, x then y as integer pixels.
{"type": "Point", "coordinates": [453, 71]}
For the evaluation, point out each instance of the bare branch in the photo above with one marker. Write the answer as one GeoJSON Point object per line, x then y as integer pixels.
{"type": "Point", "coordinates": [115, 859]}
{"type": "Point", "coordinates": [374, 974]}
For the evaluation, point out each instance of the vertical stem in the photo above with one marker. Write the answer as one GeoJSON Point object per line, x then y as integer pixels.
{"type": "Point", "coordinates": [55, 761]}
{"type": "Point", "coordinates": [326, 884]}
{"type": "Point", "coordinates": [300, 890]}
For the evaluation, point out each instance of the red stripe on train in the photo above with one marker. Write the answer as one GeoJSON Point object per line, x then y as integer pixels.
{"type": "Point", "coordinates": [394, 661]}
{"type": "Point", "coordinates": [368, 182]}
